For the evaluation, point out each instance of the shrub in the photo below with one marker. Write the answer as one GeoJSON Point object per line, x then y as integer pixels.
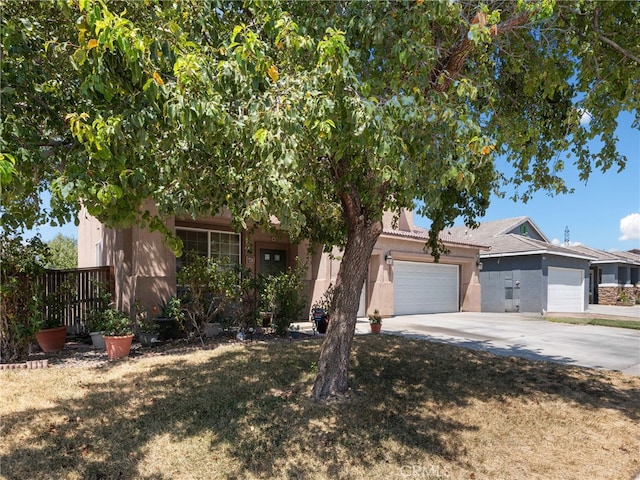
{"type": "Point", "coordinates": [116, 323]}
{"type": "Point", "coordinates": [283, 294]}
{"type": "Point", "coordinates": [96, 320]}
{"type": "Point", "coordinates": [215, 292]}
{"type": "Point", "coordinates": [21, 295]}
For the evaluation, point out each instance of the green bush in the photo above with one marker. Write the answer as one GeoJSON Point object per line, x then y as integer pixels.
{"type": "Point", "coordinates": [215, 293]}
{"type": "Point", "coordinates": [283, 294]}
{"type": "Point", "coordinates": [95, 319]}
{"type": "Point", "coordinates": [116, 323]}
{"type": "Point", "coordinates": [21, 295]}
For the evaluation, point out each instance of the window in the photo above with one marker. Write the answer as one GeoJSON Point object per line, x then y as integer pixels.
{"type": "Point", "coordinates": [223, 247]}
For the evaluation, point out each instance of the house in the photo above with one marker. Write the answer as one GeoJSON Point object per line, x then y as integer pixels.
{"type": "Point", "coordinates": [401, 278]}
{"type": "Point", "coordinates": [611, 274]}
{"type": "Point", "coordinates": [524, 272]}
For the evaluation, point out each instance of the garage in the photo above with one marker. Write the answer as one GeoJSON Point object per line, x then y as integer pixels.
{"type": "Point", "coordinates": [565, 290]}
{"type": "Point", "coordinates": [424, 288]}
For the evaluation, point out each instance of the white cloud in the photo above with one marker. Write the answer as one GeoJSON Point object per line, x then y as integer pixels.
{"type": "Point", "coordinates": [558, 243]}
{"type": "Point", "coordinates": [630, 227]}
{"type": "Point", "coordinates": [585, 117]}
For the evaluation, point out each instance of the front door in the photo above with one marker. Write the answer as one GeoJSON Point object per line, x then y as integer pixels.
{"type": "Point", "coordinates": [272, 262]}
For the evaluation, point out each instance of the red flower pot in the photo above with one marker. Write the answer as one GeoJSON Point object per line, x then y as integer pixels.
{"type": "Point", "coordinates": [52, 339]}
{"type": "Point", "coordinates": [375, 327]}
{"type": "Point", "coordinates": [118, 346]}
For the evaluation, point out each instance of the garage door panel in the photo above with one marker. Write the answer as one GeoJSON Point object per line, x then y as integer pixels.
{"type": "Point", "coordinates": [425, 288]}
{"type": "Point", "coordinates": [565, 292]}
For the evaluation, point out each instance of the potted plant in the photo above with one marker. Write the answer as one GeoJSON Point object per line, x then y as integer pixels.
{"type": "Point", "coordinates": [96, 319]}
{"type": "Point", "coordinates": [52, 336]}
{"type": "Point", "coordinates": [169, 319]}
{"type": "Point", "coordinates": [375, 321]}
{"type": "Point", "coordinates": [148, 329]}
{"type": "Point", "coordinates": [294, 330]}
{"type": "Point", "coordinates": [50, 315]}
{"type": "Point", "coordinates": [321, 310]}
{"type": "Point", "coordinates": [118, 333]}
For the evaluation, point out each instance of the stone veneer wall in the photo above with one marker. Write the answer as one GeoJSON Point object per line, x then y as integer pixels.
{"type": "Point", "coordinates": [610, 295]}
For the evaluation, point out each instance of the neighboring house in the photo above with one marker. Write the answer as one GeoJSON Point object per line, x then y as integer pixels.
{"type": "Point", "coordinates": [611, 274]}
{"type": "Point", "coordinates": [524, 272]}
{"type": "Point", "coordinates": [401, 278]}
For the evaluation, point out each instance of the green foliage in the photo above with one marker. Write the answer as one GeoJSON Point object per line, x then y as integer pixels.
{"type": "Point", "coordinates": [375, 318]}
{"type": "Point", "coordinates": [116, 323]}
{"type": "Point", "coordinates": [284, 295]}
{"type": "Point", "coordinates": [325, 302]}
{"type": "Point", "coordinates": [21, 294]}
{"type": "Point", "coordinates": [172, 308]}
{"type": "Point", "coordinates": [289, 108]}
{"type": "Point", "coordinates": [215, 292]}
{"type": "Point", "coordinates": [56, 303]}
{"type": "Point", "coordinates": [96, 319]}
{"type": "Point", "coordinates": [64, 253]}
{"type": "Point", "coordinates": [145, 322]}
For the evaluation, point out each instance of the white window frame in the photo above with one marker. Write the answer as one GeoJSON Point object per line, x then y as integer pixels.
{"type": "Point", "coordinates": [209, 232]}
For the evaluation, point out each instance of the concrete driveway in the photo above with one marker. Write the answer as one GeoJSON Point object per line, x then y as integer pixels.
{"type": "Point", "coordinates": [519, 335]}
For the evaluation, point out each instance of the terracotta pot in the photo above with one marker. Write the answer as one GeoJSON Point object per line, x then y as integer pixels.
{"type": "Point", "coordinates": [52, 339]}
{"type": "Point", "coordinates": [118, 346]}
{"type": "Point", "coordinates": [375, 327]}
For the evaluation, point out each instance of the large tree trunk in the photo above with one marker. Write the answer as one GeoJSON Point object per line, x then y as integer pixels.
{"type": "Point", "coordinates": [333, 367]}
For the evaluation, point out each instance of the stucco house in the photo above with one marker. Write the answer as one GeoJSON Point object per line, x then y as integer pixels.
{"type": "Point", "coordinates": [524, 272]}
{"type": "Point", "coordinates": [401, 278]}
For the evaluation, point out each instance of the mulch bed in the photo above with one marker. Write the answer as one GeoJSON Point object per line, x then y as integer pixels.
{"type": "Point", "coordinates": [79, 352]}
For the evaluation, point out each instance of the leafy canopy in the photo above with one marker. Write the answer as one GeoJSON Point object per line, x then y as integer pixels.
{"type": "Point", "coordinates": [309, 111]}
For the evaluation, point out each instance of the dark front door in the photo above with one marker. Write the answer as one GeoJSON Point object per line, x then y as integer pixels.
{"type": "Point", "coordinates": [272, 262]}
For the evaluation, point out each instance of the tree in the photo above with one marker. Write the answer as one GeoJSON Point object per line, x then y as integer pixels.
{"type": "Point", "coordinates": [63, 252]}
{"type": "Point", "coordinates": [327, 114]}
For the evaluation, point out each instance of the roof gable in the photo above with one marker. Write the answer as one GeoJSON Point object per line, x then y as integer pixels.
{"type": "Point", "coordinates": [488, 231]}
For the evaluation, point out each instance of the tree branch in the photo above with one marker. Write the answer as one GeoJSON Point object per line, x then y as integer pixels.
{"type": "Point", "coordinates": [451, 65]}
{"type": "Point", "coordinates": [610, 42]}
{"type": "Point", "coordinates": [617, 47]}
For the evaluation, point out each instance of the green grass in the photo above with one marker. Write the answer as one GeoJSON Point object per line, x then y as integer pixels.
{"type": "Point", "coordinates": [242, 411]}
{"type": "Point", "coordinates": [633, 324]}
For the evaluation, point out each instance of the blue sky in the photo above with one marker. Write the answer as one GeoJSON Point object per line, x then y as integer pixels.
{"type": "Point", "coordinates": [595, 211]}
{"type": "Point", "coordinates": [604, 213]}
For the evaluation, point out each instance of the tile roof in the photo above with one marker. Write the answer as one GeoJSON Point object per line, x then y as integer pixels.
{"type": "Point", "coordinates": [513, 244]}
{"type": "Point", "coordinates": [602, 256]}
{"type": "Point", "coordinates": [489, 230]}
{"type": "Point", "coordinates": [447, 238]}
{"type": "Point", "coordinates": [494, 233]}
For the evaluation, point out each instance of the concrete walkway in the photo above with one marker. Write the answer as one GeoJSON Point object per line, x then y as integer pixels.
{"type": "Point", "coordinates": [520, 335]}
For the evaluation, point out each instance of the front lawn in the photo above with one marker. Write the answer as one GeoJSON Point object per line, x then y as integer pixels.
{"type": "Point", "coordinates": [417, 410]}
{"type": "Point", "coordinates": [604, 322]}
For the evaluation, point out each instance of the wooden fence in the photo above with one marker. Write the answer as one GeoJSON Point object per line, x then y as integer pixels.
{"type": "Point", "coordinates": [71, 294]}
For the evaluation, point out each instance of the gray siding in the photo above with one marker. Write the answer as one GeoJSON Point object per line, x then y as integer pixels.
{"type": "Point", "coordinates": [530, 231]}
{"type": "Point", "coordinates": [521, 274]}
{"type": "Point", "coordinates": [525, 280]}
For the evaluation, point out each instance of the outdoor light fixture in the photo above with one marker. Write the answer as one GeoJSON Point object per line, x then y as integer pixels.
{"type": "Point", "coordinates": [388, 258]}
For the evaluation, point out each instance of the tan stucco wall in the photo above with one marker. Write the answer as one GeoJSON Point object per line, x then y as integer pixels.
{"type": "Point", "coordinates": [145, 267]}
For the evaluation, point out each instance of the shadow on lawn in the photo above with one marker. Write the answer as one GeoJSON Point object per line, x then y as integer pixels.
{"type": "Point", "coordinates": [252, 403]}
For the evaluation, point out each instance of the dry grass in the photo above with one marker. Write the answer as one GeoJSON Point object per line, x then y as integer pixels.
{"type": "Point", "coordinates": [417, 410]}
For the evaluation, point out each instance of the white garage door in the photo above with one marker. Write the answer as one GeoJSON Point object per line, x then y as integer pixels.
{"type": "Point", "coordinates": [566, 290]}
{"type": "Point", "coordinates": [424, 288]}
